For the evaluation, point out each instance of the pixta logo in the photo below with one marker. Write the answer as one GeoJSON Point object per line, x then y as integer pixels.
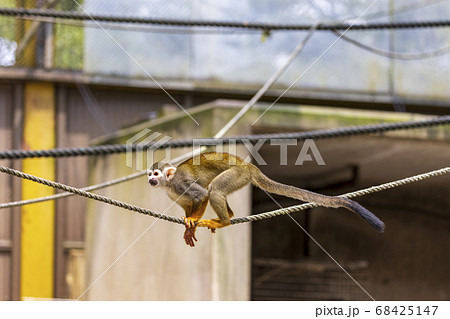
{"type": "Point", "coordinates": [141, 148]}
{"type": "Point", "coordinates": [308, 152]}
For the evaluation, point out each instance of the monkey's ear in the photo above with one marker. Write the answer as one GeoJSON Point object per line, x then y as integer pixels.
{"type": "Point", "coordinates": [170, 172]}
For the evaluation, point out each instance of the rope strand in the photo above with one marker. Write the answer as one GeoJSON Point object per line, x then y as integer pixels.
{"type": "Point", "coordinates": [318, 134]}
{"type": "Point", "coordinates": [93, 196]}
{"type": "Point", "coordinates": [366, 191]}
{"type": "Point", "coordinates": [67, 194]}
{"type": "Point", "coordinates": [239, 220]}
{"type": "Point", "coordinates": [395, 55]}
{"type": "Point", "coordinates": [23, 12]}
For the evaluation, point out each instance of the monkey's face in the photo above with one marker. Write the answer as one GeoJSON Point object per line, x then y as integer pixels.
{"type": "Point", "coordinates": [154, 177]}
{"type": "Point", "coordinates": [160, 177]}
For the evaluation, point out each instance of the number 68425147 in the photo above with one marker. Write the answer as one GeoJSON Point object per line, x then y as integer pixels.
{"type": "Point", "coordinates": [406, 310]}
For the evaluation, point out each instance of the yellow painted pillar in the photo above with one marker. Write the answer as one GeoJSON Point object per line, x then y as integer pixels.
{"type": "Point", "coordinates": [37, 238]}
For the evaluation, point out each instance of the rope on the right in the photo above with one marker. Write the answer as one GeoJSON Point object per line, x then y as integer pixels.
{"type": "Point", "coordinates": [250, 218]}
{"type": "Point", "coordinates": [373, 189]}
{"type": "Point", "coordinates": [395, 55]}
{"type": "Point", "coordinates": [241, 139]}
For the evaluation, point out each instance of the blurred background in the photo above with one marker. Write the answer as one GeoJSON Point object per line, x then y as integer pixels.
{"type": "Point", "coordinates": [98, 76]}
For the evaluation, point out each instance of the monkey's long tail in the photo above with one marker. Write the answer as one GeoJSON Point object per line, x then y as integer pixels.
{"type": "Point", "coordinates": [262, 181]}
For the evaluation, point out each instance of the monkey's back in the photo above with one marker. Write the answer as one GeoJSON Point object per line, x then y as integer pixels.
{"type": "Point", "coordinates": [205, 167]}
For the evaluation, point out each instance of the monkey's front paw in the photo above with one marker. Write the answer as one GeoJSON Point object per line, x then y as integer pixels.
{"type": "Point", "coordinates": [189, 222]}
{"type": "Point", "coordinates": [189, 236]}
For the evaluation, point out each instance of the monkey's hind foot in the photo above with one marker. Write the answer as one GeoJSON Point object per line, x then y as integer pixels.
{"type": "Point", "coordinates": [189, 236]}
{"type": "Point", "coordinates": [212, 224]}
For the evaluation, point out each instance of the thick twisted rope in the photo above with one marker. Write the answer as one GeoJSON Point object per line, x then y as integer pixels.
{"type": "Point", "coordinates": [22, 12]}
{"type": "Point", "coordinates": [370, 190]}
{"type": "Point", "coordinates": [239, 220]}
{"type": "Point", "coordinates": [67, 194]}
{"type": "Point", "coordinates": [86, 194]}
{"type": "Point", "coordinates": [318, 134]}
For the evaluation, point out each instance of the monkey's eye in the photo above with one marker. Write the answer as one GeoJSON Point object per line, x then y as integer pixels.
{"type": "Point", "coordinates": [156, 173]}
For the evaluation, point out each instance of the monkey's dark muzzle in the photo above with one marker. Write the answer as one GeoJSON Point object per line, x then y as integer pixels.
{"type": "Point", "coordinates": [153, 182]}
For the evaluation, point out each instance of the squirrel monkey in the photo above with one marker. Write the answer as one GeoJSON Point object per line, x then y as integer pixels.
{"type": "Point", "coordinates": [212, 176]}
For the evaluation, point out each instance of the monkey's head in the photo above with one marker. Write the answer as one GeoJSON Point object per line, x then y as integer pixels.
{"type": "Point", "coordinates": [160, 175]}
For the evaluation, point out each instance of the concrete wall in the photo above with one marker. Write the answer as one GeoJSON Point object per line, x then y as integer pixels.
{"type": "Point", "coordinates": [149, 258]}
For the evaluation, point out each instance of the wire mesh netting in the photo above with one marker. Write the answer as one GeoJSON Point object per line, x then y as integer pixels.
{"type": "Point", "coordinates": [227, 56]}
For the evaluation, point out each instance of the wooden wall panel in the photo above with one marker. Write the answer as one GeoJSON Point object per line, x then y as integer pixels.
{"type": "Point", "coordinates": [6, 132]}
